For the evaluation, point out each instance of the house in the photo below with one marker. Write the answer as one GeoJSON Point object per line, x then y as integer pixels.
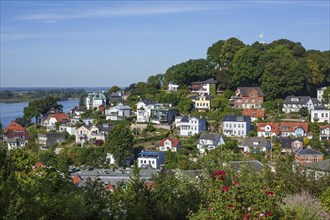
{"type": "Point", "coordinates": [320, 92]}
{"type": "Point", "coordinates": [202, 102]}
{"type": "Point", "coordinates": [254, 114]}
{"type": "Point", "coordinates": [320, 116]}
{"type": "Point", "coordinates": [294, 129]}
{"type": "Point", "coordinates": [115, 97]}
{"type": "Point", "coordinates": [190, 125]}
{"type": "Point", "coordinates": [308, 155]}
{"type": "Point", "coordinates": [209, 141]}
{"type": "Point", "coordinates": [268, 129]}
{"type": "Point", "coordinates": [15, 143]}
{"type": "Point", "coordinates": [143, 110]}
{"type": "Point", "coordinates": [290, 145]}
{"type": "Point", "coordinates": [295, 103]}
{"type": "Point", "coordinates": [76, 112]}
{"type": "Point", "coordinates": [48, 139]}
{"type": "Point", "coordinates": [163, 114]}
{"type": "Point", "coordinates": [71, 129]}
{"type": "Point", "coordinates": [15, 130]}
{"type": "Point", "coordinates": [92, 133]}
{"type": "Point", "coordinates": [51, 120]}
{"type": "Point", "coordinates": [248, 97]}
{"type": "Point", "coordinates": [256, 144]}
{"type": "Point", "coordinates": [172, 144]}
{"type": "Point", "coordinates": [316, 105]}
{"type": "Point", "coordinates": [118, 112]}
{"type": "Point", "coordinates": [321, 168]}
{"type": "Point", "coordinates": [236, 125]}
{"type": "Point", "coordinates": [94, 100]}
{"type": "Point", "coordinates": [325, 132]}
{"type": "Point", "coordinates": [172, 87]}
{"type": "Point", "coordinates": [207, 87]}
{"type": "Point", "coordinates": [151, 159]}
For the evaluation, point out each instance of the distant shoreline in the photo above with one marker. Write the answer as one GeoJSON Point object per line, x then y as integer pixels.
{"type": "Point", "coordinates": [9, 101]}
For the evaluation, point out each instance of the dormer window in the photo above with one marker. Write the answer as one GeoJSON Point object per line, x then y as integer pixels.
{"type": "Point", "coordinates": [294, 99]}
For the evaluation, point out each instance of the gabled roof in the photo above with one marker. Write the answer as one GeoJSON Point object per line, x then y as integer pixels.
{"type": "Point", "coordinates": [323, 165]}
{"type": "Point", "coordinates": [175, 141]}
{"type": "Point", "coordinates": [208, 136]}
{"type": "Point", "coordinates": [244, 91]}
{"type": "Point", "coordinates": [292, 126]}
{"type": "Point", "coordinates": [302, 100]}
{"type": "Point", "coordinates": [254, 112]}
{"type": "Point", "coordinates": [274, 127]}
{"type": "Point", "coordinates": [262, 142]}
{"type": "Point", "coordinates": [60, 117]}
{"type": "Point", "coordinates": [286, 142]}
{"type": "Point", "coordinates": [76, 180]}
{"type": "Point", "coordinates": [14, 126]}
{"type": "Point", "coordinates": [309, 151]}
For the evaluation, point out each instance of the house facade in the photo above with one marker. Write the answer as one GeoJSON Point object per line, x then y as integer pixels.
{"type": "Point", "coordinates": [71, 129]}
{"type": "Point", "coordinates": [308, 156]}
{"type": "Point", "coordinates": [236, 126]}
{"type": "Point", "coordinates": [294, 129]}
{"type": "Point", "coordinates": [248, 97]}
{"type": "Point", "coordinates": [256, 144]}
{"type": "Point", "coordinates": [13, 143]}
{"type": "Point", "coordinates": [172, 87]}
{"type": "Point", "coordinates": [48, 139]}
{"type": "Point", "coordinates": [254, 114]}
{"type": "Point", "coordinates": [15, 130]}
{"type": "Point", "coordinates": [268, 129]}
{"type": "Point", "coordinates": [119, 112]}
{"type": "Point", "coordinates": [325, 132]}
{"type": "Point", "coordinates": [94, 100]}
{"type": "Point", "coordinates": [172, 144]}
{"type": "Point", "coordinates": [163, 114]}
{"type": "Point", "coordinates": [207, 87]}
{"type": "Point", "coordinates": [202, 102]}
{"type": "Point", "coordinates": [151, 159]}
{"type": "Point", "coordinates": [295, 103]}
{"type": "Point", "coordinates": [209, 141]}
{"type": "Point", "coordinates": [51, 120]}
{"type": "Point", "coordinates": [320, 116]}
{"type": "Point", "coordinates": [291, 145]}
{"type": "Point", "coordinates": [190, 125]}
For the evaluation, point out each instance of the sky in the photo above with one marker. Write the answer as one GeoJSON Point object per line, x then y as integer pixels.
{"type": "Point", "coordinates": [106, 43]}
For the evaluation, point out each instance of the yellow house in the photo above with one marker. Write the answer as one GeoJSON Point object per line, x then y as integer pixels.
{"type": "Point", "coordinates": [202, 102]}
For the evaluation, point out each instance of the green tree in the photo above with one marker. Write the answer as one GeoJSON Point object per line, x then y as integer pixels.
{"type": "Point", "coordinates": [326, 96]}
{"type": "Point", "coordinates": [156, 81]}
{"type": "Point", "coordinates": [114, 89]}
{"type": "Point", "coordinates": [303, 112]}
{"type": "Point", "coordinates": [229, 50]}
{"type": "Point", "coordinates": [317, 77]}
{"type": "Point", "coordinates": [120, 143]}
{"type": "Point", "coordinates": [214, 52]}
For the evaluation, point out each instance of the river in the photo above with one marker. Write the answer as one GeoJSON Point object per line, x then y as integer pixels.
{"type": "Point", "coordinates": [11, 111]}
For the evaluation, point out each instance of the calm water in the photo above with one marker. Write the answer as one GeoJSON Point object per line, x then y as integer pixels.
{"type": "Point", "coordinates": [11, 111]}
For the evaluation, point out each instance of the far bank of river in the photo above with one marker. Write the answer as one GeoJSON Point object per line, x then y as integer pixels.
{"type": "Point", "coordinates": [11, 111]}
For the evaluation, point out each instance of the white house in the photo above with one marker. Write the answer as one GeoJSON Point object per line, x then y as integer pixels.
{"type": "Point", "coordinates": [320, 116]}
{"type": "Point", "coordinates": [256, 144]}
{"type": "Point", "coordinates": [143, 110]}
{"type": "Point", "coordinates": [294, 103]}
{"type": "Point", "coordinates": [118, 112]}
{"type": "Point", "coordinates": [190, 125]}
{"type": "Point", "coordinates": [71, 129]}
{"type": "Point", "coordinates": [94, 100]}
{"type": "Point", "coordinates": [51, 120]}
{"type": "Point", "coordinates": [172, 87]}
{"type": "Point", "coordinates": [151, 159]}
{"type": "Point", "coordinates": [325, 132]}
{"type": "Point", "coordinates": [209, 142]}
{"type": "Point", "coordinates": [203, 87]}
{"type": "Point", "coordinates": [236, 125]}
{"type": "Point", "coordinates": [320, 92]}
{"type": "Point", "coordinates": [15, 143]}
{"type": "Point", "coordinates": [172, 144]}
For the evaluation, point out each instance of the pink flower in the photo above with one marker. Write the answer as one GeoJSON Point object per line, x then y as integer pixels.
{"type": "Point", "coordinates": [249, 209]}
{"type": "Point", "coordinates": [246, 216]}
{"type": "Point", "coordinates": [269, 214]}
{"type": "Point", "coordinates": [230, 207]}
{"type": "Point", "coordinates": [224, 189]}
{"type": "Point", "coordinates": [269, 193]}
{"type": "Point", "coordinates": [220, 172]}
{"type": "Point", "coordinates": [262, 215]}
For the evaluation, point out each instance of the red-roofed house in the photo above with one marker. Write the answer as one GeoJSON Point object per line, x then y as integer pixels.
{"type": "Point", "coordinates": [110, 187]}
{"type": "Point", "coordinates": [50, 122]}
{"type": "Point", "coordinates": [76, 180]}
{"type": "Point", "coordinates": [294, 129]}
{"type": "Point", "coordinates": [325, 132]}
{"type": "Point", "coordinates": [248, 97]}
{"type": "Point", "coordinates": [172, 144]}
{"type": "Point", "coordinates": [15, 130]}
{"type": "Point", "coordinates": [254, 113]}
{"type": "Point", "coordinates": [268, 129]}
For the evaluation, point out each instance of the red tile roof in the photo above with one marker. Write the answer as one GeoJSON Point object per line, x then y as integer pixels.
{"type": "Point", "coordinates": [60, 117]}
{"type": "Point", "coordinates": [174, 141]}
{"type": "Point", "coordinates": [110, 187]}
{"type": "Point", "coordinates": [14, 126]}
{"type": "Point", "coordinates": [274, 127]}
{"type": "Point", "coordinates": [254, 112]}
{"type": "Point", "coordinates": [291, 126]}
{"type": "Point", "coordinates": [38, 164]}
{"type": "Point", "coordinates": [324, 127]}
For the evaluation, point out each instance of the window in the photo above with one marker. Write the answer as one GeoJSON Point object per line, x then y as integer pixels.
{"type": "Point", "coordinates": [307, 159]}
{"type": "Point", "coordinates": [315, 158]}
{"type": "Point", "coordinates": [153, 162]}
{"type": "Point", "coordinates": [322, 115]}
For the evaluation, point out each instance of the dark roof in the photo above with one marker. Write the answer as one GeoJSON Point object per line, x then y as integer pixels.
{"type": "Point", "coordinates": [301, 100]}
{"type": "Point", "coordinates": [236, 118]}
{"type": "Point", "coordinates": [106, 129]}
{"type": "Point", "coordinates": [323, 165]}
{"type": "Point", "coordinates": [147, 102]}
{"type": "Point", "coordinates": [210, 81]}
{"type": "Point", "coordinates": [309, 151]}
{"type": "Point", "coordinates": [262, 142]}
{"type": "Point", "coordinates": [317, 104]}
{"type": "Point", "coordinates": [245, 90]}
{"type": "Point", "coordinates": [286, 142]}
{"type": "Point", "coordinates": [193, 97]}
{"type": "Point", "coordinates": [255, 165]}
{"type": "Point", "coordinates": [208, 136]}
{"type": "Point", "coordinates": [185, 118]}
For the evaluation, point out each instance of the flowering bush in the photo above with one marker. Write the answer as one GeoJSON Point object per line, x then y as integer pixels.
{"type": "Point", "coordinates": [232, 195]}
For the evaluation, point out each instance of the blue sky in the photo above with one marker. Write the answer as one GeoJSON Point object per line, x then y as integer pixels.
{"type": "Point", "coordinates": [101, 43]}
